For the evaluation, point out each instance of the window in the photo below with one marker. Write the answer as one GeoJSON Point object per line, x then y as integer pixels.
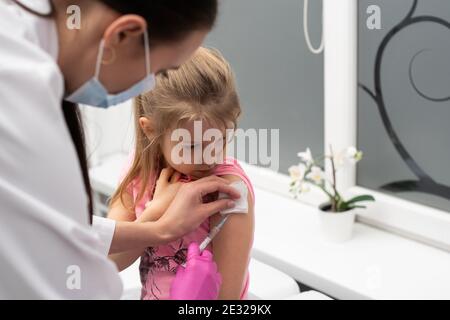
{"type": "Point", "coordinates": [280, 82]}
{"type": "Point", "coordinates": [404, 129]}
{"type": "Point", "coordinates": [407, 117]}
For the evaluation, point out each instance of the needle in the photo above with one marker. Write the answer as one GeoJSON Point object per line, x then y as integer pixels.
{"type": "Point", "coordinates": [212, 234]}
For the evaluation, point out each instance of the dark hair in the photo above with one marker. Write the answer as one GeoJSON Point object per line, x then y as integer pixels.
{"type": "Point", "coordinates": [75, 125]}
{"type": "Point", "coordinates": [169, 20]}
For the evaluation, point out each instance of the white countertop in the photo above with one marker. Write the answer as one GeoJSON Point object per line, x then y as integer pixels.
{"type": "Point", "coordinates": [373, 265]}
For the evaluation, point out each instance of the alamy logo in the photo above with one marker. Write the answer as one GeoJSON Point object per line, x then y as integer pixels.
{"type": "Point", "coordinates": [73, 281]}
{"type": "Point", "coordinates": [251, 146]}
{"type": "Point", "coordinates": [374, 19]}
{"type": "Point", "coordinates": [73, 21]}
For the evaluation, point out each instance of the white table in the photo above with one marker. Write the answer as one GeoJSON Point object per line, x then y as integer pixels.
{"type": "Point", "coordinates": [373, 265]}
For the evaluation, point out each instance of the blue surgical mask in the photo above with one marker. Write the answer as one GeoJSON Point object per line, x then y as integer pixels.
{"type": "Point", "coordinates": [93, 93]}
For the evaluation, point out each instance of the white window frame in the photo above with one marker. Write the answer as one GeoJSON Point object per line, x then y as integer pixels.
{"type": "Point", "coordinates": [407, 218]}
{"type": "Point", "coordinates": [393, 214]}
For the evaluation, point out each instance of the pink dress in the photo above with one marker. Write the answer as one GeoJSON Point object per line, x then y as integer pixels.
{"type": "Point", "coordinates": [158, 264]}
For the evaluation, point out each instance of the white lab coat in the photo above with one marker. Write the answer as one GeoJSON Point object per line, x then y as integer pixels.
{"type": "Point", "coordinates": [48, 250]}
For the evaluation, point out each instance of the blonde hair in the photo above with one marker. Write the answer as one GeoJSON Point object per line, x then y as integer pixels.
{"type": "Point", "coordinates": [201, 89]}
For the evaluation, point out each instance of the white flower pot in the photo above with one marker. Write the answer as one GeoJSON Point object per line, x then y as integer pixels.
{"type": "Point", "coordinates": [336, 227]}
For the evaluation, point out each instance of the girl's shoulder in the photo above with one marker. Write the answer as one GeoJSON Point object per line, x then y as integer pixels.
{"type": "Point", "coordinates": [134, 186]}
{"type": "Point", "coordinates": [126, 166]}
{"type": "Point", "coordinates": [232, 167]}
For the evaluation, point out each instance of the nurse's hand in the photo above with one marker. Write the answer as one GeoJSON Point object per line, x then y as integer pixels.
{"type": "Point", "coordinates": [188, 211]}
{"type": "Point", "coordinates": [185, 214]}
{"type": "Point", "coordinates": [199, 279]}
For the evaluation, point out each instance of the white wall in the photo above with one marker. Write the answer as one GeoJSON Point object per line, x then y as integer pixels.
{"type": "Point", "coordinates": [108, 131]}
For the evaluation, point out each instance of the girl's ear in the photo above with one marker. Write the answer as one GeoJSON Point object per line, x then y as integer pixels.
{"type": "Point", "coordinates": [147, 126]}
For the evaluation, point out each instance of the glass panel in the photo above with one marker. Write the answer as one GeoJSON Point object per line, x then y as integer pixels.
{"type": "Point", "coordinates": [404, 99]}
{"type": "Point", "coordinates": [280, 82]}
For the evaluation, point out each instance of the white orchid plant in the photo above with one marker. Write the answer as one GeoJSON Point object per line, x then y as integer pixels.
{"type": "Point", "coordinates": [310, 173]}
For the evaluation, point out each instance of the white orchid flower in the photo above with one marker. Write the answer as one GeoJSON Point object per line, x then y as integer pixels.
{"type": "Point", "coordinates": [297, 172]}
{"type": "Point", "coordinates": [340, 159]}
{"type": "Point", "coordinates": [304, 188]}
{"type": "Point", "coordinates": [306, 156]}
{"type": "Point", "coordinates": [348, 156]}
{"type": "Point", "coordinates": [308, 174]}
{"type": "Point", "coordinates": [294, 173]}
{"type": "Point", "coordinates": [316, 175]}
{"type": "Point", "coordinates": [299, 187]}
{"type": "Point", "coordinates": [353, 155]}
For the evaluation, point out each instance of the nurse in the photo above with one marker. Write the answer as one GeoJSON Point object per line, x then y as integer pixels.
{"type": "Point", "coordinates": [50, 245]}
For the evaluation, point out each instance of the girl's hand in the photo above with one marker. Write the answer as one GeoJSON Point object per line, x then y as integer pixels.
{"type": "Point", "coordinates": [166, 189]}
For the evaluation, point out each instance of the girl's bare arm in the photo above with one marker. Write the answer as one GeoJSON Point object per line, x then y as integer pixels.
{"type": "Point", "coordinates": [232, 247]}
{"type": "Point", "coordinates": [166, 189]}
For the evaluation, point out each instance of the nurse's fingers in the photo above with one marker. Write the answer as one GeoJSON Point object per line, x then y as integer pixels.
{"type": "Point", "coordinates": [211, 208]}
{"type": "Point", "coordinates": [212, 179]}
{"type": "Point", "coordinates": [212, 186]}
{"type": "Point", "coordinates": [208, 256]}
{"type": "Point", "coordinates": [193, 251]}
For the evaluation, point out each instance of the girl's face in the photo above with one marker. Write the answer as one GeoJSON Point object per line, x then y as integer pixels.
{"type": "Point", "coordinates": [195, 148]}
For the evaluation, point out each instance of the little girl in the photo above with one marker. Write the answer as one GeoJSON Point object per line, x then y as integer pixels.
{"type": "Point", "coordinates": [202, 90]}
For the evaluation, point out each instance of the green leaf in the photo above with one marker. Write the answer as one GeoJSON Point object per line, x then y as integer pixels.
{"type": "Point", "coordinates": [342, 206]}
{"type": "Point", "coordinates": [360, 198]}
{"type": "Point", "coordinates": [354, 207]}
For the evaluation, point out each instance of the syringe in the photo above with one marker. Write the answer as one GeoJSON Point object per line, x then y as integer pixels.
{"type": "Point", "coordinates": [212, 234]}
